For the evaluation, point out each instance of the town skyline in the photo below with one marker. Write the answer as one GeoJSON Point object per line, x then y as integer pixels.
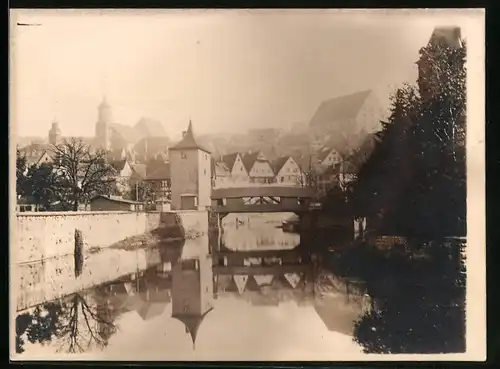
{"type": "Point", "coordinates": [260, 93]}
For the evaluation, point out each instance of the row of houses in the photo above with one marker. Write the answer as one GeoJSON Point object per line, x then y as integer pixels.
{"type": "Point", "coordinates": [253, 168]}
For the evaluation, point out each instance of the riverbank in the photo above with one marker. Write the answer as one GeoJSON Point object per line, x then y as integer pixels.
{"type": "Point", "coordinates": [418, 291]}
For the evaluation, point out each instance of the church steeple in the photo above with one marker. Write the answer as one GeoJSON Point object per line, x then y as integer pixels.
{"type": "Point", "coordinates": [54, 133]}
{"type": "Point", "coordinates": [104, 119]}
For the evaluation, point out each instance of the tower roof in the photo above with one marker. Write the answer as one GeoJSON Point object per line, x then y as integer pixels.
{"type": "Point", "coordinates": [192, 323]}
{"type": "Point", "coordinates": [447, 35]}
{"type": "Point", "coordinates": [104, 103]}
{"type": "Point", "coordinates": [189, 142]}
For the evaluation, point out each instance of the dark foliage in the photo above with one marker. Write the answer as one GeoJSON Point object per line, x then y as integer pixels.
{"type": "Point", "coordinates": [21, 166]}
{"type": "Point", "coordinates": [414, 181]}
{"type": "Point", "coordinates": [420, 311]}
{"type": "Point", "coordinates": [40, 183]}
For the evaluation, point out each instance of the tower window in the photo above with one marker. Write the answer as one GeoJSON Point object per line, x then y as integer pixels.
{"type": "Point", "coordinates": [183, 155]}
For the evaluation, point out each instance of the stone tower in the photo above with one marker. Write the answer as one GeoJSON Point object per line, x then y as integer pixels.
{"type": "Point", "coordinates": [104, 119]}
{"type": "Point", "coordinates": [54, 134]}
{"type": "Point", "coordinates": [191, 170]}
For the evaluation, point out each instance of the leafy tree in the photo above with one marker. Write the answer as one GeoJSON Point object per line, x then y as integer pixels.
{"type": "Point", "coordinates": [39, 326]}
{"type": "Point", "coordinates": [413, 185]}
{"type": "Point", "coordinates": [414, 182]}
{"type": "Point", "coordinates": [82, 173]}
{"type": "Point", "coordinates": [40, 183]}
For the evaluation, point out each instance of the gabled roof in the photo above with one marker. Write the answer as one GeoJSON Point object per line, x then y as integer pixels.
{"type": "Point", "coordinates": [279, 163]}
{"type": "Point", "coordinates": [118, 165]}
{"type": "Point", "coordinates": [339, 109]}
{"type": "Point", "coordinates": [324, 152]}
{"type": "Point", "coordinates": [192, 323]}
{"type": "Point", "coordinates": [140, 169]}
{"type": "Point", "coordinates": [249, 160]}
{"type": "Point", "coordinates": [189, 142]}
{"type": "Point", "coordinates": [160, 172]}
{"type": "Point", "coordinates": [150, 128]}
{"type": "Point", "coordinates": [230, 159]}
{"type": "Point", "coordinates": [127, 133]}
{"type": "Point", "coordinates": [115, 199]}
{"type": "Point", "coordinates": [221, 170]}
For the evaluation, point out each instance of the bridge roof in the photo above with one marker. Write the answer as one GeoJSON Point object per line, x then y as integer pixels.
{"type": "Point", "coordinates": [265, 191]}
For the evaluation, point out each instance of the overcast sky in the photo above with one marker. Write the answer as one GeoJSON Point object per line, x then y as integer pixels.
{"type": "Point", "coordinates": [228, 70]}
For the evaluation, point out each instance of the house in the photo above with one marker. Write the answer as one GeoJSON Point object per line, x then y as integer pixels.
{"type": "Point", "coordinates": [259, 169]}
{"type": "Point", "coordinates": [192, 183]}
{"type": "Point", "coordinates": [127, 174]}
{"type": "Point", "coordinates": [353, 116]}
{"type": "Point", "coordinates": [288, 172]}
{"type": "Point", "coordinates": [37, 153]}
{"type": "Point", "coordinates": [114, 203]}
{"type": "Point", "coordinates": [221, 175]}
{"type": "Point", "coordinates": [159, 178]}
{"type": "Point", "coordinates": [238, 173]}
{"type": "Point", "coordinates": [328, 156]}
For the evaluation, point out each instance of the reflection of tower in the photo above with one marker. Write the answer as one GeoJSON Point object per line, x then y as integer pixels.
{"type": "Point", "coordinates": [192, 292]}
{"type": "Point", "coordinates": [54, 134]}
{"type": "Point", "coordinates": [105, 118]}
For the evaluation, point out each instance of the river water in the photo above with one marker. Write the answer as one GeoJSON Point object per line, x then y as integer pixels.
{"type": "Point", "coordinates": [249, 294]}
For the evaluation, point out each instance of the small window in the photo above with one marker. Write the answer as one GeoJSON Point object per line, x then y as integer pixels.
{"type": "Point", "coordinates": [183, 155]}
{"type": "Point", "coordinates": [282, 179]}
{"type": "Point", "coordinates": [204, 171]}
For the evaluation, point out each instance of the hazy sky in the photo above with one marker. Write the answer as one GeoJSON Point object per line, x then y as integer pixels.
{"type": "Point", "coordinates": [228, 70]}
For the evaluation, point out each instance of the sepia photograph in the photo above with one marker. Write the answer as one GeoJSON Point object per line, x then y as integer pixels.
{"type": "Point", "coordinates": [247, 184]}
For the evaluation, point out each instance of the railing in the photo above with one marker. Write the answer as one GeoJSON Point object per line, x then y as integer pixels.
{"type": "Point", "coordinates": [260, 208]}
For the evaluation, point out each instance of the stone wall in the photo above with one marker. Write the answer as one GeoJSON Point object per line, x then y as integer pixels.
{"type": "Point", "coordinates": [39, 236]}
{"type": "Point", "coordinates": [43, 244]}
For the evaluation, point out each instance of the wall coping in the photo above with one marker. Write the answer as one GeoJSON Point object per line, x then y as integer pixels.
{"type": "Point", "coordinates": [105, 212]}
{"type": "Point", "coordinates": [73, 213]}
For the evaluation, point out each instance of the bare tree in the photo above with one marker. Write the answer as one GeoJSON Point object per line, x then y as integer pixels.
{"type": "Point", "coordinates": [82, 173]}
{"type": "Point", "coordinates": [83, 325]}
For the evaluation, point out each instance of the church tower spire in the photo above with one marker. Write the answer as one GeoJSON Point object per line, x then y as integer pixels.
{"type": "Point", "coordinates": [104, 120]}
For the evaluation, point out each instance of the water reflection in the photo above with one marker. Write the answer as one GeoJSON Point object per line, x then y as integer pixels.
{"type": "Point", "coordinates": [217, 286]}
